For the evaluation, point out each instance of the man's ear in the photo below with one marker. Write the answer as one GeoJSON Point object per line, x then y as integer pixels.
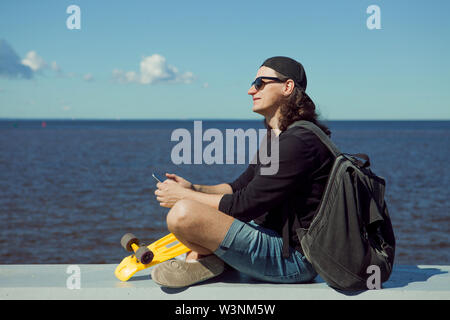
{"type": "Point", "coordinates": [288, 87]}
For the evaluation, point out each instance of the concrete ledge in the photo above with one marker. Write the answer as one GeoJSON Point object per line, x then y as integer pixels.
{"type": "Point", "coordinates": [99, 282]}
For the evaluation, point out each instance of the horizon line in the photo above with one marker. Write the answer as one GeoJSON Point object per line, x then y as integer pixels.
{"type": "Point", "coordinates": [195, 119]}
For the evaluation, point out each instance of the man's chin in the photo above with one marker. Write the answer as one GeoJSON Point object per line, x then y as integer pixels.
{"type": "Point", "coordinates": [257, 109]}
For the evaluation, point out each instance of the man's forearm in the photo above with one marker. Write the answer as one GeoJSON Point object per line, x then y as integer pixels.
{"type": "Point", "coordinates": [209, 195]}
{"type": "Point", "coordinates": [211, 200]}
{"type": "Point", "coordinates": [219, 189]}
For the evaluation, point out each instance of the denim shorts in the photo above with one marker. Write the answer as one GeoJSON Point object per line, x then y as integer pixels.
{"type": "Point", "coordinates": [258, 252]}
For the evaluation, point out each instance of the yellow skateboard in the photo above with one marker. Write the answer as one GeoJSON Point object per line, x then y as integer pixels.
{"type": "Point", "coordinates": [144, 257]}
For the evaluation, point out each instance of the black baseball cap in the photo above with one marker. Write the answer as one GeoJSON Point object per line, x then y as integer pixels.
{"type": "Point", "coordinates": [288, 67]}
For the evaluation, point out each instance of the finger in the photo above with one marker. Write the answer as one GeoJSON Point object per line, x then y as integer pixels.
{"type": "Point", "coordinates": [172, 176]}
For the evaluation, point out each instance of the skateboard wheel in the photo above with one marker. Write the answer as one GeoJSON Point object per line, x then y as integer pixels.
{"type": "Point", "coordinates": [144, 255]}
{"type": "Point", "coordinates": [127, 240]}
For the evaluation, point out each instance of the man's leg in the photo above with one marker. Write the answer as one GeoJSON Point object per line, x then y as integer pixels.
{"type": "Point", "coordinates": [202, 229]}
{"type": "Point", "coordinates": [198, 226]}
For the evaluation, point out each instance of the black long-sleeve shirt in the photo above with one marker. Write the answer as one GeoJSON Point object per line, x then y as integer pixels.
{"type": "Point", "coordinates": [288, 199]}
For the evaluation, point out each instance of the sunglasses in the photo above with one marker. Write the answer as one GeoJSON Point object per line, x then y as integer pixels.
{"type": "Point", "coordinates": [259, 83]}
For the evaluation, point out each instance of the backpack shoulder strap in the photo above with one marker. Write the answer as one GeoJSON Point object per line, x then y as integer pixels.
{"type": "Point", "coordinates": [319, 133]}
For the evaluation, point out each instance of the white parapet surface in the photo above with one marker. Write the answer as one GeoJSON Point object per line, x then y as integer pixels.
{"type": "Point", "coordinates": [97, 281]}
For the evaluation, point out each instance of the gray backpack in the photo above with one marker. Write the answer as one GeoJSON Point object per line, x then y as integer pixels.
{"type": "Point", "coordinates": [351, 235]}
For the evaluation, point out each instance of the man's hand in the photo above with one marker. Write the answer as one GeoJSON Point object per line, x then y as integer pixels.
{"type": "Point", "coordinates": [181, 181]}
{"type": "Point", "coordinates": [169, 192]}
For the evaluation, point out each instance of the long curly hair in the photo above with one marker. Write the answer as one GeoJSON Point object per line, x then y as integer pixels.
{"type": "Point", "coordinates": [298, 106]}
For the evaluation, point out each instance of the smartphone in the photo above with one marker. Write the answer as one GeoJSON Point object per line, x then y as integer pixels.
{"type": "Point", "coordinates": [157, 178]}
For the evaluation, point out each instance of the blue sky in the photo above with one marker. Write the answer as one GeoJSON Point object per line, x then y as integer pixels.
{"type": "Point", "coordinates": [196, 59]}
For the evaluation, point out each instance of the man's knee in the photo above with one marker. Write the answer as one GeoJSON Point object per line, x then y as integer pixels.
{"type": "Point", "coordinates": [180, 216]}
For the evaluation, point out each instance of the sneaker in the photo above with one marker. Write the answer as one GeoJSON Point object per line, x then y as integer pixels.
{"type": "Point", "coordinates": [178, 273]}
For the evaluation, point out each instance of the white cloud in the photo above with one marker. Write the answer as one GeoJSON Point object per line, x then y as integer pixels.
{"type": "Point", "coordinates": [12, 66]}
{"type": "Point", "coordinates": [34, 61]}
{"type": "Point", "coordinates": [88, 77]}
{"type": "Point", "coordinates": [153, 69]}
{"type": "Point", "coordinates": [37, 63]}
